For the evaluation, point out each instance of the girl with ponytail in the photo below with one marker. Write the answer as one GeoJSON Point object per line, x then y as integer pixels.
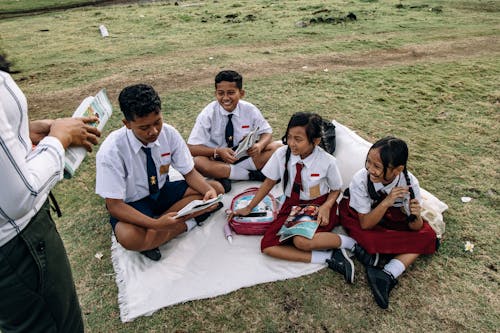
{"type": "Point", "coordinates": [381, 211]}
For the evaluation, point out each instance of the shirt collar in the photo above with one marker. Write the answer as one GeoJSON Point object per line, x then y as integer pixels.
{"type": "Point", "coordinates": [136, 144]}
{"type": "Point", "coordinates": [235, 112]}
{"type": "Point", "coordinates": [308, 161]}
{"type": "Point", "coordinates": [387, 188]}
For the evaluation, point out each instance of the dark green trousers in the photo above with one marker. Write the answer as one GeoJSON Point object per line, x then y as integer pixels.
{"type": "Point", "coordinates": [37, 292]}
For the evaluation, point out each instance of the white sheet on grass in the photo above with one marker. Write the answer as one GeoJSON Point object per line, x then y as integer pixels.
{"type": "Point", "coordinates": [202, 264]}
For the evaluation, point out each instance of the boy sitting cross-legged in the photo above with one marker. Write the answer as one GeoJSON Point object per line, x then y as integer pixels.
{"type": "Point", "coordinates": [132, 167]}
{"type": "Point", "coordinates": [221, 126]}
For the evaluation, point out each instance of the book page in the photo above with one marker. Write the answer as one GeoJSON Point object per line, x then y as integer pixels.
{"type": "Point", "coordinates": [98, 106]}
{"type": "Point", "coordinates": [197, 205]}
{"type": "Point", "coordinates": [246, 143]}
{"type": "Point", "coordinates": [302, 221]}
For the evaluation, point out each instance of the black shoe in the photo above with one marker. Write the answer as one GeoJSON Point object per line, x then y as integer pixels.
{"type": "Point", "coordinates": [381, 284]}
{"type": "Point", "coordinates": [200, 218]}
{"type": "Point", "coordinates": [340, 262]}
{"type": "Point", "coordinates": [364, 257]}
{"type": "Point", "coordinates": [153, 254]}
{"type": "Point", "coordinates": [256, 175]}
{"type": "Point", "coordinates": [226, 184]}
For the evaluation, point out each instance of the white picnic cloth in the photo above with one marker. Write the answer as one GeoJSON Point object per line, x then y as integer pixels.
{"type": "Point", "coordinates": [202, 264]}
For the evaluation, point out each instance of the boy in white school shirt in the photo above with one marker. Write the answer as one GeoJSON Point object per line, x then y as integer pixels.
{"type": "Point", "coordinates": [140, 198]}
{"type": "Point", "coordinates": [213, 144]}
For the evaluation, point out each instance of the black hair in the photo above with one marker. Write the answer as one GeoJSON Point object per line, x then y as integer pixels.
{"type": "Point", "coordinates": [229, 76]}
{"type": "Point", "coordinates": [4, 64]}
{"type": "Point", "coordinates": [314, 130]}
{"type": "Point", "coordinates": [393, 153]}
{"type": "Point", "coordinates": [139, 100]}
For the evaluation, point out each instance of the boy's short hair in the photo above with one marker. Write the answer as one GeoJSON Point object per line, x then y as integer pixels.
{"type": "Point", "coordinates": [139, 100]}
{"type": "Point", "coordinates": [229, 76]}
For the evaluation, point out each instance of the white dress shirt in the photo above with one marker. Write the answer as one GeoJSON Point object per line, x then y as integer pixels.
{"type": "Point", "coordinates": [210, 126]}
{"type": "Point", "coordinates": [28, 174]}
{"type": "Point", "coordinates": [360, 200]}
{"type": "Point", "coordinates": [320, 173]}
{"type": "Point", "coordinates": [121, 171]}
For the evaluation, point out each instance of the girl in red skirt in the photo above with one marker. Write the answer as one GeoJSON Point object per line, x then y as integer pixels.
{"type": "Point", "coordinates": [310, 177]}
{"type": "Point", "coordinates": [381, 211]}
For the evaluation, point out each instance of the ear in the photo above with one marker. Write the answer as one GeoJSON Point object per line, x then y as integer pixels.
{"type": "Point", "coordinates": [316, 141]}
{"type": "Point", "coordinates": [242, 93]}
{"type": "Point", "coordinates": [399, 169]}
{"type": "Point", "coordinates": [126, 123]}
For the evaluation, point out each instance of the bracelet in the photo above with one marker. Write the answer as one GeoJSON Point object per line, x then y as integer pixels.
{"type": "Point", "coordinates": [215, 153]}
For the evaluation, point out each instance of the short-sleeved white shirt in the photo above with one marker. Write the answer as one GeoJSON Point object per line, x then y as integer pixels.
{"type": "Point", "coordinates": [121, 171]}
{"type": "Point", "coordinates": [320, 173]}
{"type": "Point", "coordinates": [360, 200]}
{"type": "Point", "coordinates": [210, 126]}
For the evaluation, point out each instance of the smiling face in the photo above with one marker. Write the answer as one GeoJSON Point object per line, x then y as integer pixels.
{"type": "Point", "coordinates": [228, 95]}
{"type": "Point", "coordinates": [146, 129]}
{"type": "Point", "coordinates": [299, 143]}
{"type": "Point", "coordinates": [375, 168]}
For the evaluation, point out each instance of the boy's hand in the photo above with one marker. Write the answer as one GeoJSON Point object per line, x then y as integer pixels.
{"type": "Point", "coordinates": [255, 150]}
{"type": "Point", "coordinates": [167, 220]}
{"type": "Point", "coordinates": [210, 194]}
{"type": "Point", "coordinates": [227, 155]}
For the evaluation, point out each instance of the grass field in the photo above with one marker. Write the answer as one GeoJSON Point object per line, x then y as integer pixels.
{"type": "Point", "coordinates": [425, 71]}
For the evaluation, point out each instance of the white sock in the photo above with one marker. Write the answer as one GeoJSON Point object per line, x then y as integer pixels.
{"type": "Point", "coordinates": [190, 224]}
{"type": "Point", "coordinates": [247, 164]}
{"type": "Point", "coordinates": [395, 267]}
{"type": "Point", "coordinates": [320, 257]}
{"type": "Point", "coordinates": [238, 173]}
{"type": "Point", "coordinates": [346, 242]}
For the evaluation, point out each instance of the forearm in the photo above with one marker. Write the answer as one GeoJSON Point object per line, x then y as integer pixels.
{"type": "Point", "coordinates": [197, 182]}
{"type": "Point", "coordinates": [331, 199]}
{"type": "Point", "coordinates": [264, 189]}
{"type": "Point", "coordinates": [368, 221]}
{"type": "Point", "coordinates": [128, 214]}
{"type": "Point", "coordinates": [201, 150]}
{"type": "Point", "coordinates": [265, 139]}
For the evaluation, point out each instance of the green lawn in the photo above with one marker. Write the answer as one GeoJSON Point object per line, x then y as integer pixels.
{"type": "Point", "coordinates": [425, 71]}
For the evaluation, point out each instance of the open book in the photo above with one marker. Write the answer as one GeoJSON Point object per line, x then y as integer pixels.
{"type": "Point", "coordinates": [197, 205]}
{"type": "Point", "coordinates": [302, 221]}
{"type": "Point", "coordinates": [99, 106]}
{"type": "Point", "coordinates": [246, 143]}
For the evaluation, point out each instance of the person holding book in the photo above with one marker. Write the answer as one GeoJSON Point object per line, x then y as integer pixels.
{"type": "Point", "coordinates": [310, 176]}
{"type": "Point", "coordinates": [221, 126]}
{"type": "Point", "coordinates": [381, 210]}
{"type": "Point", "coordinates": [132, 167]}
{"type": "Point", "coordinates": [36, 283]}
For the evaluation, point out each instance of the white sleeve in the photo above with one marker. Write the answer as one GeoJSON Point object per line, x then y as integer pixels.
{"type": "Point", "coordinates": [182, 160]}
{"type": "Point", "coordinates": [201, 132]}
{"type": "Point", "coordinates": [26, 177]}
{"type": "Point", "coordinates": [359, 199]}
{"type": "Point", "coordinates": [334, 177]}
{"type": "Point", "coordinates": [110, 173]}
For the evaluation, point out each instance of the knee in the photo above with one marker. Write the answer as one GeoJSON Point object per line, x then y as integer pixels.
{"type": "Point", "coordinates": [302, 243]}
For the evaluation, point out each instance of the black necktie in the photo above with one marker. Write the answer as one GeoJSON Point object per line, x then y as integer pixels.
{"type": "Point", "coordinates": [229, 131]}
{"type": "Point", "coordinates": [152, 176]}
{"type": "Point", "coordinates": [297, 183]}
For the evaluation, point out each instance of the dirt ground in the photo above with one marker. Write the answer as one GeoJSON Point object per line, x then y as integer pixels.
{"type": "Point", "coordinates": [178, 79]}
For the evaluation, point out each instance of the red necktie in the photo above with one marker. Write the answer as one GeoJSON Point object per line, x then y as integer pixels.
{"type": "Point", "coordinates": [297, 183]}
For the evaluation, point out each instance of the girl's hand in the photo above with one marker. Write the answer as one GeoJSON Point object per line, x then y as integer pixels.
{"type": "Point", "coordinates": [415, 208]}
{"type": "Point", "coordinates": [397, 192]}
{"type": "Point", "coordinates": [323, 215]}
{"type": "Point", "coordinates": [168, 219]}
{"type": "Point", "coordinates": [239, 212]}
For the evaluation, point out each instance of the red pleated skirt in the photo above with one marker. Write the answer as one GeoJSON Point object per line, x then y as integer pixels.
{"type": "Point", "coordinates": [391, 236]}
{"type": "Point", "coordinates": [271, 239]}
